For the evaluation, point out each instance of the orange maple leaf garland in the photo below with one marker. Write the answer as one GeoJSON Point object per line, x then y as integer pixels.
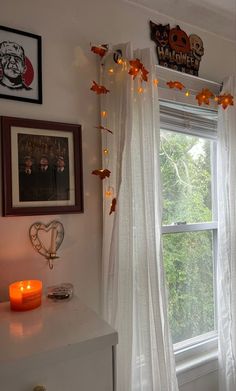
{"type": "Point", "coordinates": [100, 50]}
{"type": "Point", "coordinates": [99, 89]}
{"type": "Point", "coordinates": [175, 84]}
{"type": "Point", "coordinates": [144, 73]}
{"type": "Point", "coordinates": [225, 100]}
{"type": "Point", "coordinates": [102, 173]}
{"type": "Point", "coordinates": [113, 206]}
{"type": "Point", "coordinates": [204, 96]}
{"type": "Point", "coordinates": [135, 67]}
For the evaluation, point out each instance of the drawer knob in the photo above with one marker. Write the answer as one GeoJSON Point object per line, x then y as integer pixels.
{"type": "Point", "coordinates": [39, 388]}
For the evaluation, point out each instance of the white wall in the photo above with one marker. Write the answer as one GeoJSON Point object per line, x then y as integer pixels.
{"type": "Point", "coordinates": [67, 28]}
{"type": "Point", "coordinates": [66, 98]}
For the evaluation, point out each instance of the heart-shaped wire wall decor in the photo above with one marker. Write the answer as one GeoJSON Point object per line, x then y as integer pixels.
{"type": "Point", "coordinates": [46, 239]}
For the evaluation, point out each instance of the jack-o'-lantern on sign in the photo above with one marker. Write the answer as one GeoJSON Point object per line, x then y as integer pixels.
{"type": "Point", "coordinates": [178, 40]}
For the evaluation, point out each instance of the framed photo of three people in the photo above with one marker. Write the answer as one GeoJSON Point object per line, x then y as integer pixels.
{"type": "Point", "coordinates": [42, 167]}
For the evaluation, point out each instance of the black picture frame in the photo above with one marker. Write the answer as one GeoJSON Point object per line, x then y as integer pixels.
{"type": "Point", "coordinates": [20, 65]}
{"type": "Point", "coordinates": [28, 143]}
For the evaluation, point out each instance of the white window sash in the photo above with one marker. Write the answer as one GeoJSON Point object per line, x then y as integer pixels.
{"type": "Point", "coordinates": [204, 125]}
{"type": "Point", "coordinates": [178, 228]}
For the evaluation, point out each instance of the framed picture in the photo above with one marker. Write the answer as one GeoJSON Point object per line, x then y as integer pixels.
{"type": "Point", "coordinates": [42, 167]}
{"type": "Point", "coordinates": [20, 65]}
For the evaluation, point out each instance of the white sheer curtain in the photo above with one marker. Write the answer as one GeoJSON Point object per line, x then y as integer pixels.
{"type": "Point", "coordinates": [226, 273]}
{"type": "Point", "coordinates": [134, 296]}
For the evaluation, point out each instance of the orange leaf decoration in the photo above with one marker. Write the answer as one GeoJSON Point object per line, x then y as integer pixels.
{"type": "Point", "coordinates": [113, 206]}
{"type": "Point", "coordinates": [135, 67]}
{"type": "Point", "coordinates": [225, 100]}
{"type": "Point", "coordinates": [100, 50]}
{"type": "Point", "coordinates": [102, 128]}
{"type": "Point", "coordinates": [102, 173]}
{"type": "Point", "coordinates": [99, 89]}
{"type": "Point", "coordinates": [204, 96]}
{"type": "Point", "coordinates": [144, 73]}
{"type": "Point", "coordinates": [175, 84]}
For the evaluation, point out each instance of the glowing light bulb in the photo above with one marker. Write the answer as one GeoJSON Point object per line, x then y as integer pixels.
{"type": "Point", "coordinates": [28, 287]}
{"type": "Point", "coordinates": [156, 82]}
{"type": "Point", "coordinates": [104, 114]}
{"type": "Point", "coordinates": [187, 93]}
{"type": "Point", "coordinates": [109, 192]}
{"type": "Point", "coordinates": [111, 70]}
{"type": "Point", "coordinates": [140, 90]}
{"type": "Point", "coordinates": [216, 99]}
{"type": "Point", "coordinates": [21, 288]}
{"type": "Point", "coordinates": [106, 151]}
{"type": "Point", "coordinates": [120, 61]}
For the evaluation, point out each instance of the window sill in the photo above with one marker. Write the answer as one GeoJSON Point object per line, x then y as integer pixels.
{"type": "Point", "coordinates": [197, 366]}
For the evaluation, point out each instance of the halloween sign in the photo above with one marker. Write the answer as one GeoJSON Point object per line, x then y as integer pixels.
{"type": "Point", "coordinates": [175, 49]}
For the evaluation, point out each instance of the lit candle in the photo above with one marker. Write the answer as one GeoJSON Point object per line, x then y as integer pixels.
{"type": "Point", "coordinates": [53, 241]}
{"type": "Point", "coordinates": [25, 295]}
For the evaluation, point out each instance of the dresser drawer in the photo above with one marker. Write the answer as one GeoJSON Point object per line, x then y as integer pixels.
{"type": "Point", "coordinates": [59, 346]}
{"type": "Point", "coordinates": [87, 372]}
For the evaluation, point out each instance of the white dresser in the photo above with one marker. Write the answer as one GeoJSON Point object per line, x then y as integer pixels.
{"type": "Point", "coordinates": [60, 346]}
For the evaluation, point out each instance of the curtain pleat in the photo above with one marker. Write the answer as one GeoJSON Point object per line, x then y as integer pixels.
{"type": "Point", "coordinates": [226, 265]}
{"type": "Point", "coordinates": [134, 292]}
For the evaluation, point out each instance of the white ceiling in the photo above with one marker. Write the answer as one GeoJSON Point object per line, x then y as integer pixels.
{"type": "Point", "coordinates": [225, 5]}
{"type": "Point", "coordinates": [216, 16]}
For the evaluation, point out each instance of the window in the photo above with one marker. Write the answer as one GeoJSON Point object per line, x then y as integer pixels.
{"type": "Point", "coordinates": [189, 227]}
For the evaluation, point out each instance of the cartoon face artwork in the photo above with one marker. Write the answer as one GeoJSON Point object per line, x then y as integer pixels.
{"type": "Point", "coordinates": [13, 59]}
{"type": "Point", "coordinates": [179, 41]}
{"type": "Point", "coordinates": [13, 65]}
{"type": "Point", "coordinates": [196, 45]}
{"type": "Point", "coordinates": [160, 33]}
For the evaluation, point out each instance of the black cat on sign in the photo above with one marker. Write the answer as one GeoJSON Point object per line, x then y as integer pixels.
{"type": "Point", "coordinates": [175, 49]}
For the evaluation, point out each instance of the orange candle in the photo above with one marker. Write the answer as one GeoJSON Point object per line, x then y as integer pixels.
{"type": "Point", "coordinates": [25, 295]}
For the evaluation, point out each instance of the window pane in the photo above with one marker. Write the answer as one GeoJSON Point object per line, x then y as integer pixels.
{"type": "Point", "coordinates": [188, 259]}
{"type": "Point", "coordinates": [186, 177]}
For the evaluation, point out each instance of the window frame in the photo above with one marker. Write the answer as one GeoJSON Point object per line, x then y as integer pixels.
{"type": "Point", "coordinates": [186, 351]}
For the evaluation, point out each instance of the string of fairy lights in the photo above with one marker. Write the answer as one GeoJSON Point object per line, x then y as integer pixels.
{"type": "Point", "coordinates": [136, 69]}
